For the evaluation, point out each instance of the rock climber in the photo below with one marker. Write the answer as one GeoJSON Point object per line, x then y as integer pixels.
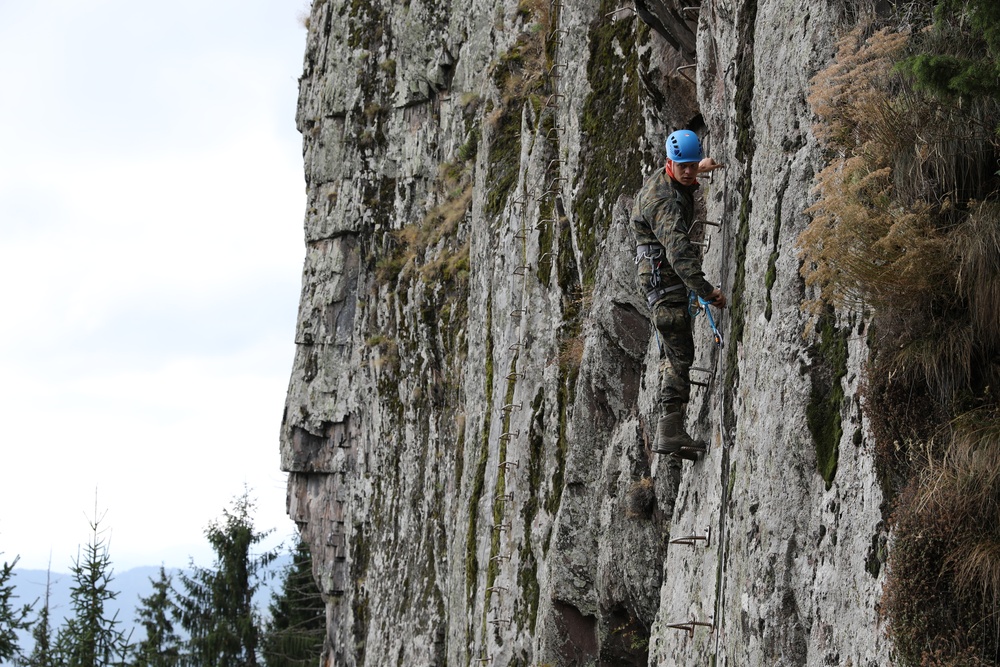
{"type": "Point", "coordinates": [669, 269]}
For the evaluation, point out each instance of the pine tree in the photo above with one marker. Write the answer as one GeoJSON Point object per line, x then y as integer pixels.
{"type": "Point", "coordinates": [161, 647]}
{"type": "Point", "coordinates": [216, 606]}
{"type": "Point", "coordinates": [12, 618]}
{"type": "Point", "coordinates": [90, 638]}
{"type": "Point", "coordinates": [41, 632]}
{"type": "Point", "coordinates": [295, 632]}
{"type": "Point", "coordinates": [962, 53]}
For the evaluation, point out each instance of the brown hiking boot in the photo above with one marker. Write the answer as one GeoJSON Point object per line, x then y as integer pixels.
{"type": "Point", "coordinates": [672, 439]}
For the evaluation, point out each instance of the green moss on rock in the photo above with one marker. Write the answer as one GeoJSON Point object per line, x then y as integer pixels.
{"type": "Point", "coordinates": [611, 130]}
{"type": "Point", "coordinates": [745, 149]}
{"type": "Point", "coordinates": [823, 414]}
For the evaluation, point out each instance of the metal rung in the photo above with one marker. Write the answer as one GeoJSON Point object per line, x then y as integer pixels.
{"type": "Point", "coordinates": [548, 100]}
{"type": "Point", "coordinates": [553, 68]}
{"type": "Point", "coordinates": [701, 369]}
{"type": "Point", "coordinates": [507, 464]}
{"type": "Point", "coordinates": [622, 9]}
{"type": "Point", "coordinates": [695, 8]}
{"type": "Point", "coordinates": [486, 658]}
{"type": "Point", "coordinates": [543, 221]}
{"type": "Point", "coordinates": [496, 589]}
{"type": "Point", "coordinates": [508, 435]}
{"type": "Point", "coordinates": [557, 31]}
{"type": "Point", "coordinates": [707, 222]}
{"type": "Point", "coordinates": [498, 621]}
{"type": "Point", "coordinates": [691, 625]}
{"type": "Point", "coordinates": [680, 70]}
{"type": "Point", "coordinates": [510, 406]}
{"type": "Point", "coordinates": [500, 557]}
{"type": "Point", "coordinates": [706, 244]}
{"type": "Point", "coordinates": [506, 498]}
{"type": "Point", "coordinates": [518, 312]}
{"type": "Point", "coordinates": [521, 270]}
{"type": "Point", "coordinates": [691, 540]}
{"type": "Point", "coordinates": [514, 376]}
{"type": "Point", "coordinates": [556, 129]}
{"type": "Point", "coordinates": [501, 527]}
{"type": "Point", "coordinates": [514, 347]}
{"type": "Point", "coordinates": [522, 235]}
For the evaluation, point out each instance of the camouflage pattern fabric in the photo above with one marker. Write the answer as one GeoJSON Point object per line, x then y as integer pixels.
{"type": "Point", "coordinates": [662, 214]}
{"type": "Point", "coordinates": [673, 325]}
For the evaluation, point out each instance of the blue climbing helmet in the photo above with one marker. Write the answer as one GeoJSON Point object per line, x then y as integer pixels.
{"type": "Point", "coordinates": [684, 146]}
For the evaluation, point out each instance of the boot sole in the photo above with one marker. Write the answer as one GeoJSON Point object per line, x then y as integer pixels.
{"type": "Point", "coordinates": [689, 453]}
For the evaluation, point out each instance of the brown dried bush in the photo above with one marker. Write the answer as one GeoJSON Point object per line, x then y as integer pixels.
{"type": "Point", "coordinates": [941, 598]}
{"type": "Point", "coordinates": [904, 227]}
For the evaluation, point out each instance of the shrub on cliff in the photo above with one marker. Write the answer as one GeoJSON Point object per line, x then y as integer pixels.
{"type": "Point", "coordinates": [941, 598]}
{"type": "Point", "coordinates": [960, 56]}
{"type": "Point", "coordinates": [904, 227]}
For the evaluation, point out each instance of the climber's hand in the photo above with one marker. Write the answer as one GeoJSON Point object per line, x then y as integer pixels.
{"type": "Point", "coordinates": [708, 164]}
{"type": "Point", "coordinates": [717, 298]}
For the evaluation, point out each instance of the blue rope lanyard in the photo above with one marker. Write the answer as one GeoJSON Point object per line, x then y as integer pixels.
{"type": "Point", "coordinates": [695, 305]}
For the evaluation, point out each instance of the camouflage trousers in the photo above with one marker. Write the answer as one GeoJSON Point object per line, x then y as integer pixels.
{"type": "Point", "coordinates": [676, 344]}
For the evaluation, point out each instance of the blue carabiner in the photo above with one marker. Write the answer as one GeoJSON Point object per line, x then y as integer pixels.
{"type": "Point", "coordinates": [694, 307]}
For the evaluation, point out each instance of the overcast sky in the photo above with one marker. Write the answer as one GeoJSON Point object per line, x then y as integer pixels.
{"type": "Point", "coordinates": [151, 204]}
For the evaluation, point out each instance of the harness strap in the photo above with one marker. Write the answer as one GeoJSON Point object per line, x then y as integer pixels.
{"type": "Point", "coordinates": [649, 251]}
{"type": "Point", "coordinates": [654, 253]}
{"type": "Point", "coordinates": [656, 294]}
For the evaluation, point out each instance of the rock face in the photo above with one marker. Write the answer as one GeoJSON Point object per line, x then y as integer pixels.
{"type": "Point", "coordinates": [470, 410]}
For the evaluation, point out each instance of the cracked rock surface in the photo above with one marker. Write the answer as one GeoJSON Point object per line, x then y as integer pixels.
{"type": "Point", "coordinates": [470, 408]}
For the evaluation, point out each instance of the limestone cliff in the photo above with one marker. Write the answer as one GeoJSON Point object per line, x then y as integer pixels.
{"type": "Point", "coordinates": [468, 419]}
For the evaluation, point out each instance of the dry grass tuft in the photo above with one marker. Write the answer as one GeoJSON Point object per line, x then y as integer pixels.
{"type": "Point", "coordinates": [431, 249]}
{"type": "Point", "coordinates": [943, 594]}
{"type": "Point", "coordinates": [860, 249]}
{"type": "Point", "coordinates": [641, 497]}
{"type": "Point", "coordinates": [977, 245]}
{"type": "Point", "coordinates": [865, 245]}
{"type": "Point", "coordinates": [850, 96]}
{"type": "Point", "coordinates": [571, 352]}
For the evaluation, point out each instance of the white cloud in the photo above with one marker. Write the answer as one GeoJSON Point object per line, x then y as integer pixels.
{"type": "Point", "coordinates": [151, 198]}
{"type": "Point", "coordinates": [165, 450]}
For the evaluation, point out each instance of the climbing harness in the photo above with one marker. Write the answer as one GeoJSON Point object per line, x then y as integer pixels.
{"type": "Point", "coordinates": [654, 254]}
{"type": "Point", "coordinates": [651, 252]}
{"type": "Point", "coordinates": [698, 304]}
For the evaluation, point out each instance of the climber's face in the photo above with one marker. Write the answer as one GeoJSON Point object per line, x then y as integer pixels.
{"type": "Point", "coordinates": [685, 173]}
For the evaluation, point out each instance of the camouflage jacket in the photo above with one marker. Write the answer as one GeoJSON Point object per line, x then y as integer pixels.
{"type": "Point", "coordinates": [663, 213]}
